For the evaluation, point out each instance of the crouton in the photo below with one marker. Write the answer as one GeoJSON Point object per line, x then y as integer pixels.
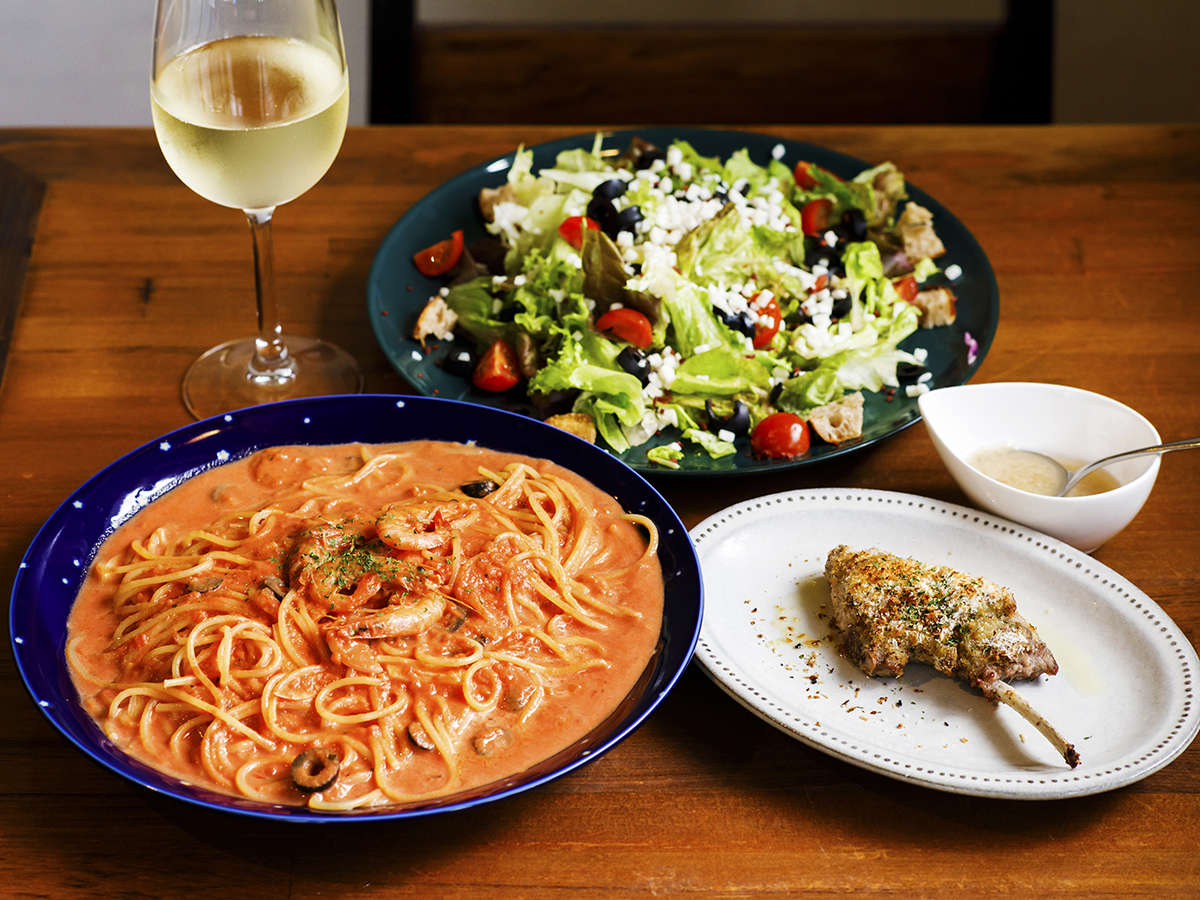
{"type": "Point", "coordinates": [489, 197]}
{"type": "Point", "coordinates": [579, 424]}
{"type": "Point", "coordinates": [437, 320]}
{"type": "Point", "coordinates": [936, 306]}
{"type": "Point", "coordinates": [916, 231]}
{"type": "Point", "coordinates": [840, 420]}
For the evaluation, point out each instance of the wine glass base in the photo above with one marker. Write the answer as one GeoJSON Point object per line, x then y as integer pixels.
{"type": "Point", "coordinates": [221, 379]}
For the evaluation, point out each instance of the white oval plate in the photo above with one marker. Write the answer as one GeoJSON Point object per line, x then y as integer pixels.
{"type": "Point", "coordinates": [1124, 693]}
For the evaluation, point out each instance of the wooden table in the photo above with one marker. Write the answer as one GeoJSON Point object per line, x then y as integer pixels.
{"type": "Point", "coordinates": [1094, 233]}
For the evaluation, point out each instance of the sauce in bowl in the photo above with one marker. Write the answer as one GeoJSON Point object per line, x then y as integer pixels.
{"type": "Point", "coordinates": [1035, 474]}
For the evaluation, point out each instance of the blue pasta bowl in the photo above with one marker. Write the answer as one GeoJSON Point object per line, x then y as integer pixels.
{"type": "Point", "coordinates": [54, 566]}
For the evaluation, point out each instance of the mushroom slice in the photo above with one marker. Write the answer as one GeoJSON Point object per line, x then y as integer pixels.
{"type": "Point", "coordinates": [204, 585]}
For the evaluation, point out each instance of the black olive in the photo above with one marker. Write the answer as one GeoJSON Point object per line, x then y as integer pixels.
{"type": "Point", "coordinates": [841, 307]}
{"type": "Point", "coordinates": [489, 252]}
{"type": "Point", "coordinates": [775, 392]}
{"type": "Point", "coordinates": [855, 223]}
{"type": "Point", "coordinates": [627, 219]}
{"type": "Point", "coordinates": [738, 421]}
{"type": "Point", "coordinates": [315, 769]}
{"type": "Point", "coordinates": [602, 212]}
{"type": "Point", "coordinates": [478, 488]}
{"type": "Point", "coordinates": [459, 362]}
{"type": "Point", "coordinates": [648, 155]}
{"type": "Point", "coordinates": [743, 321]}
{"type": "Point", "coordinates": [816, 254]}
{"type": "Point", "coordinates": [909, 372]}
{"type": "Point", "coordinates": [633, 361]}
{"type": "Point", "coordinates": [611, 189]}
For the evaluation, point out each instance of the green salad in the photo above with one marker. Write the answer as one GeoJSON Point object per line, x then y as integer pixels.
{"type": "Point", "coordinates": [641, 291]}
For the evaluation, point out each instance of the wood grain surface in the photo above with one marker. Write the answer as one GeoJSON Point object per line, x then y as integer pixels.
{"type": "Point", "coordinates": [1094, 234]}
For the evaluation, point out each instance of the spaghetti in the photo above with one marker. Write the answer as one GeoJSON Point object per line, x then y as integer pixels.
{"type": "Point", "coordinates": [365, 625]}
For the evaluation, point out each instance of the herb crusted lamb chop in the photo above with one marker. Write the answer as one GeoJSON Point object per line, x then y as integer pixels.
{"type": "Point", "coordinates": [888, 609]}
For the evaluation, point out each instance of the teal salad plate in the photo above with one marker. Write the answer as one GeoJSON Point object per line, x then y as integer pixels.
{"type": "Point", "coordinates": [397, 292]}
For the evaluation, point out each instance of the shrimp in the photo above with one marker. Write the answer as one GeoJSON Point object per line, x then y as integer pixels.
{"type": "Point", "coordinates": [340, 570]}
{"type": "Point", "coordinates": [393, 620]}
{"type": "Point", "coordinates": [423, 524]}
{"type": "Point", "coordinates": [325, 561]}
{"type": "Point", "coordinates": [347, 636]}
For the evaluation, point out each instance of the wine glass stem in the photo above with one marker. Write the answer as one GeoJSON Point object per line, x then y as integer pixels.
{"type": "Point", "coordinates": [271, 363]}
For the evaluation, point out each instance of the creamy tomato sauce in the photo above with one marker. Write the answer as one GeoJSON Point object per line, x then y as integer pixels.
{"type": "Point", "coordinates": [363, 602]}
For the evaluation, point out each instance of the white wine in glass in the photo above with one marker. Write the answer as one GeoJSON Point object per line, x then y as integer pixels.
{"type": "Point", "coordinates": [250, 100]}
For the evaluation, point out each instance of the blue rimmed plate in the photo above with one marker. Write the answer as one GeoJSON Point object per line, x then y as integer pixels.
{"type": "Point", "coordinates": [396, 293]}
{"type": "Point", "coordinates": [52, 569]}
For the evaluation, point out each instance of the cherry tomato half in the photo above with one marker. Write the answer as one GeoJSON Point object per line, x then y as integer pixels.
{"type": "Point", "coordinates": [439, 258]}
{"type": "Point", "coordinates": [906, 287]}
{"type": "Point", "coordinates": [627, 324]}
{"type": "Point", "coordinates": [781, 435]}
{"type": "Point", "coordinates": [815, 216]}
{"type": "Point", "coordinates": [497, 369]}
{"type": "Point", "coordinates": [803, 175]}
{"type": "Point", "coordinates": [572, 227]}
{"type": "Point", "coordinates": [767, 308]}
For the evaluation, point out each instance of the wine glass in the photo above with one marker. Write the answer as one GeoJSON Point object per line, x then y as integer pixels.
{"type": "Point", "coordinates": [249, 99]}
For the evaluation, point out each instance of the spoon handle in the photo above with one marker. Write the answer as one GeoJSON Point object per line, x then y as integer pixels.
{"type": "Point", "coordinates": [1186, 444]}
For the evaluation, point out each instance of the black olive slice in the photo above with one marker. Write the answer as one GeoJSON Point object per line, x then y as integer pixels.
{"type": "Point", "coordinates": [856, 224]}
{"type": "Point", "coordinates": [633, 361]}
{"type": "Point", "coordinates": [478, 488]}
{"type": "Point", "coordinates": [628, 218]}
{"type": "Point", "coordinates": [738, 421]}
{"type": "Point", "coordinates": [459, 361]}
{"type": "Point", "coordinates": [315, 769]}
{"type": "Point", "coordinates": [742, 321]}
{"type": "Point", "coordinates": [601, 211]}
{"type": "Point", "coordinates": [611, 189]}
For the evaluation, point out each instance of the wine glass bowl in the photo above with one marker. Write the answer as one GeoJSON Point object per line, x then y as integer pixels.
{"type": "Point", "coordinates": [250, 100]}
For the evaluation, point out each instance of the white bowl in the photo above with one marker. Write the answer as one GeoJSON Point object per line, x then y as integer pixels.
{"type": "Point", "coordinates": [1063, 422]}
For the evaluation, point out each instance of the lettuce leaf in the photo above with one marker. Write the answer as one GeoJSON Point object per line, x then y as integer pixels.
{"type": "Point", "coordinates": [720, 372]}
{"type": "Point", "coordinates": [713, 445]}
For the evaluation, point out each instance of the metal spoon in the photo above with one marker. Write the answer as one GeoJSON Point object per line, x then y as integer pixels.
{"type": "Point", "coordinates": [1070, 479]}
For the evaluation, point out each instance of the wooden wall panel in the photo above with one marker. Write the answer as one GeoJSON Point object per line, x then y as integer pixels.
{"type": "Point", "coordinates": [667, 75]}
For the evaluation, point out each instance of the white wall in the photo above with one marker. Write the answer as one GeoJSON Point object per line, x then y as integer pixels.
{"type": "Point", "coordinates": [87, 62]}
